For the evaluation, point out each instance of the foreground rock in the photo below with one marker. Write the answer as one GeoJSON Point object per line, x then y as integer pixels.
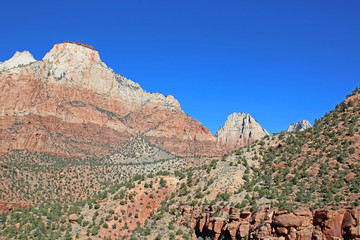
{"type": "Point", "coordinates": [240, 129]}
{"type": "Point", "coordinates": [71, 103]}
{"type": "Point", "coordinates": [230, 223]}
{"type": "Point", "coordinates": [299, 126]}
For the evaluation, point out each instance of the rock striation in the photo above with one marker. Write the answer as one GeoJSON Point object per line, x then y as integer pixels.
{"type": "Point", "coordinates": [240, 129]}
{"type": "Point", "coordinates": [231, 223]}
{"type": "Point", "coordinates": [71, 103]}
{"type": "Point", "coordinates": [299, 126]}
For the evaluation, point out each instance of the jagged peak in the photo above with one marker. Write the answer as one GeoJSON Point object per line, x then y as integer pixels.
{"type": "Point", "coordinates": [237, 118]}
{"type": "Point", "coordinates": [239, 115]}
{"type": "Point", "coordinates": [299, 126]}
{"type": "Point", "coordinates": [19, 59]}
{"type": "Point", "coordinates": [239, 130]}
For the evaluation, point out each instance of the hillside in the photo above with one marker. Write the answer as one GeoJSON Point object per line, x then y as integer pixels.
{"type": "Point", "coordinates": [298, 185]}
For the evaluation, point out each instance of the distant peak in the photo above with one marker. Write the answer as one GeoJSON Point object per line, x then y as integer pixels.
{"type": "Point", "coordinates": [299, 126]}
{"type": "Point", "coordinates": [239, 115]}
{"type": "Point", "coordinates": [240, 129]}
{"type": "Point", "coordinates": [24, 53]}
{"type": "Point", "coordinates": [19, 59]}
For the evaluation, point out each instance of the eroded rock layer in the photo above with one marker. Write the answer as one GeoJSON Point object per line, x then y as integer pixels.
{"type": "Point", "coordinates": [231, 223]}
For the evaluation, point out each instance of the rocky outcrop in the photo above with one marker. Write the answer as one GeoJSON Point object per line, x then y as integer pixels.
{"type": "Point", "coordinates": [231, 223]}
{"type": "Point", "coordinates": [240, 129]}
{"type": "Point", "coordinates": [299, 126]}
{"type": "Point", "coordinates": [71, 103]}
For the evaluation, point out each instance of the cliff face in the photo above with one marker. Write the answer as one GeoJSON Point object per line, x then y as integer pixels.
{"type": "Point", "coordinates": [299, 126]}
{"type": "Point", "coordinates": [71, 103]}
{"type": "Point", "coordinates": [231, 223]}
{"type": "Point", "coordinates": [240, 129]}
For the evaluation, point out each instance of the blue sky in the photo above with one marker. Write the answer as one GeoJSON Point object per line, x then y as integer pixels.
{"type": "Point", "coordinates": [280, 61]}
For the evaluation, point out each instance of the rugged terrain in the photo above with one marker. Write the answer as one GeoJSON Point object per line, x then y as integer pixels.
{"type": "Point", "coordinates": [291, 185]}
{"type": "Point", "coordinates": [300, 185]}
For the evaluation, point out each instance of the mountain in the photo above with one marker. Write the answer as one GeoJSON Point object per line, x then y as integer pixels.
{"type": "Point", "coordinates": [295, 185]}
{"type": "Point", "coordinates": [240, 129]}
{"type": "Point", "coordinates": [70, 103]}
{"type": "Point", "coordinates": [299, 126]}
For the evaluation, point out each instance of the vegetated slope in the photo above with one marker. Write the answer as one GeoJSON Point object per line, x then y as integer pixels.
{"type": "Point", "coordinates": [70, 103]}
{"type": "Point", "coordinates": [317, 167]}
{"type": "Point", "coordinates": [297, 174]}
{"type": "Point", "coordinates": [139, 150]}
{"type": "Point", "coordinates": [37, 178]}
{"type": "Point", "coordinates": [313, 169]}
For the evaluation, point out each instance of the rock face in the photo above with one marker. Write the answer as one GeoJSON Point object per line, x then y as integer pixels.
{"type": "Point", "coordinates": [19, 59]}
{"type": "Point", "coordinates": [71, 103]}
{"type": "Point", "coordinates": [240, 129]}
{"type": "Point", "coordinates": [271, 223]}
{"type": "Point", "coordinates": [299, 126]}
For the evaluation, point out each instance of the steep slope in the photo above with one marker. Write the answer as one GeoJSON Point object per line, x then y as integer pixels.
{"type": "Point", "coordinates": [299, 126]}
{"type": "Point", "coordinates": [240, 129]}
{"type": "Point", "coordinates": [70, 103]}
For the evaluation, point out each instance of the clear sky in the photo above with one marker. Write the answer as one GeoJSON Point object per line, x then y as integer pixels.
{"type": "Point", "coordinates": [280, 61]}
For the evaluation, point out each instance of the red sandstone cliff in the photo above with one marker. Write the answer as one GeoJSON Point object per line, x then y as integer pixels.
{"type": "Point", "coordinates": [71, 103]}
{"type": "Point", "coordinates": [231, 223]}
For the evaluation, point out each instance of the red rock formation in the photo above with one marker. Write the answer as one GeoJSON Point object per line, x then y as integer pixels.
{"type": "Point", "coordinates": [274, 224]}
{"type": "Point", "coordinates": [70, 103]}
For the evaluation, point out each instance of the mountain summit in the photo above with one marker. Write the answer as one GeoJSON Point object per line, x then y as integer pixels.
{"type": "Point", "coordinates": [299, 126]}
{"type": "Point", "coordinates": [240, 129]}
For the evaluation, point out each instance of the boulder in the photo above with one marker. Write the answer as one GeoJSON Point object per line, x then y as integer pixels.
{"type": "Point", "coordinates": [291, 220]}
{"type": "Point", "coordinates": [73, 218]}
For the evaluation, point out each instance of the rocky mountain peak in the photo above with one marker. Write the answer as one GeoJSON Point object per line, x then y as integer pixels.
{"type": "Point", "coordinates": [299, 126]}
{"type": "Point", "coordinates": [78, 64]}
{"type": "Point", "coordinates": [73, 54]}
{"type": "Point", "coordinates": [19, 59]}
{"type": "Point", "coordinates": [240, 129]}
